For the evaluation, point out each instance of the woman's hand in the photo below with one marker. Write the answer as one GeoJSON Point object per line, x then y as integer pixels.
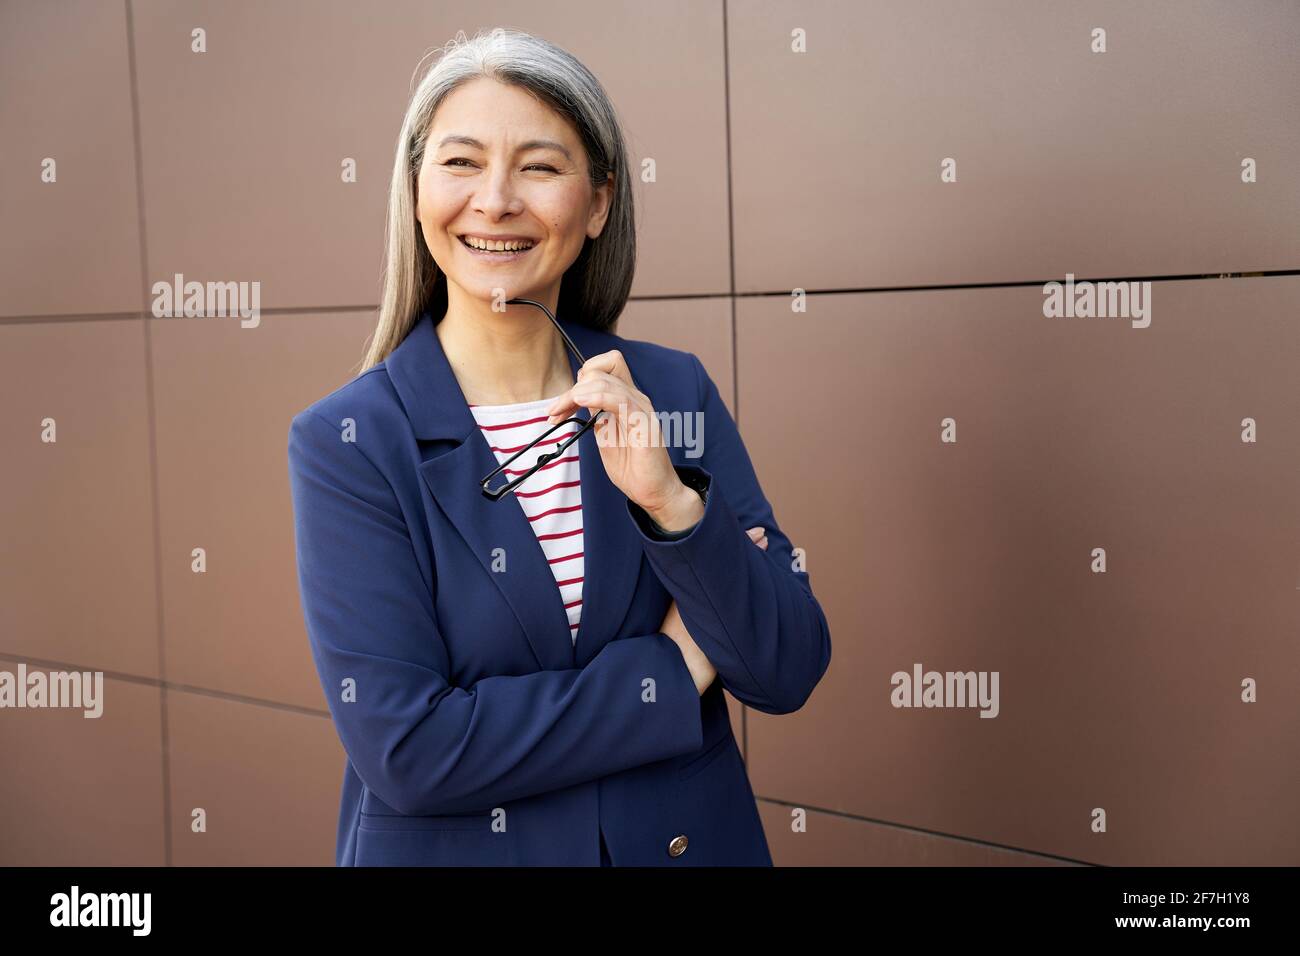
{"type": "Point", "coordinates": [702, 670]}
{"type": "Point", "coordinates": [628, 436]}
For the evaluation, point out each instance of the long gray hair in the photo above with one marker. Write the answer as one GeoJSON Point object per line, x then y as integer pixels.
{"type": "Point", "coordinates": [595, 288]}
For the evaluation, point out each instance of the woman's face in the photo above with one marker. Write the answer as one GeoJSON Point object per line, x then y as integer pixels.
{"type": "Point", "coordinates": [501, 164]}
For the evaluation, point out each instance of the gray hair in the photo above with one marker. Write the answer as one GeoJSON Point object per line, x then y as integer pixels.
{"type": "Point", "coordinates": [595, 288]}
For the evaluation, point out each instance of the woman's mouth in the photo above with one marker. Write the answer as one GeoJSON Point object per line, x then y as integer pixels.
{"type": "Point", "coordinates": [497, 250]}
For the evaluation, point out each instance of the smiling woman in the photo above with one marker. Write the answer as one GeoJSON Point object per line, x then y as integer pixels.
{"type": "Point", "coordinates": [537, 681]}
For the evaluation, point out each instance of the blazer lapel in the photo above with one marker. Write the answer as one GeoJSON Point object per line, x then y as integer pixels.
{"type": "Point", "coordinates": [612, 553]}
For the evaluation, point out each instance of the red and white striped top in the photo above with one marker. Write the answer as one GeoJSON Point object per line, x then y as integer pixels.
{"type": "Point", "coordinates": [551, 498]}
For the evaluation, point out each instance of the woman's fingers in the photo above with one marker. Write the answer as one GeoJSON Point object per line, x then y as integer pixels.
{"type": "Point", "coordinates": [568, 404]}
{"type": "Point", "coordinates": [593, 392]}
{"type": "Point", "coordinates": [758, 536]}
{"type": "Point", "coordinates": [611, 363]}
{"type": "Point", "coordinates": [606, 373]}
{"type": "Point", "coordinates": [629, 415]}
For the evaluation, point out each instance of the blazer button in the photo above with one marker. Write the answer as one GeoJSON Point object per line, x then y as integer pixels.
{"type": "Point", "coordinates": [678, 845]}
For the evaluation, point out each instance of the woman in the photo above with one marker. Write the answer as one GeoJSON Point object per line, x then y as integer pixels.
{"type": "Point", "coordinates": [537, 679]}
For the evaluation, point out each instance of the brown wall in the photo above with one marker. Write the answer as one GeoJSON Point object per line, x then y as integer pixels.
{"type": "Point", "coordinates": [776, 171]}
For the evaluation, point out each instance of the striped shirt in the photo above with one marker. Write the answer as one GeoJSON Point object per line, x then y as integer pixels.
{"type": "Point", "coordinates": [551, 499]}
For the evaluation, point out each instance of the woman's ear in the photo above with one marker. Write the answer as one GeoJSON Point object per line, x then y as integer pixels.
{"type": "Point", "coordinates": [601, 203]}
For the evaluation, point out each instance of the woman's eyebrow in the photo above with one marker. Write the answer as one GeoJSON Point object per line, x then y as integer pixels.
{"type": "Point", "coordinates": [523, 147]}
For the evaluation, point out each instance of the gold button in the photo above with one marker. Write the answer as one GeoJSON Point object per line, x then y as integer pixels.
{"type": "Point", "coordinates": [678, 845]}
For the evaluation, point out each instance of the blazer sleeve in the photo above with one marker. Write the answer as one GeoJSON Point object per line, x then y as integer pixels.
{"type": "Point", "coordinates": [750, 611]}
{"type": "Point", "coordinates": [422, 745]}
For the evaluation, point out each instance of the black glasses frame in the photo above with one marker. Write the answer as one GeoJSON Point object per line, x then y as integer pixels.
{"type": "Point", "coordinates": [496, 494]}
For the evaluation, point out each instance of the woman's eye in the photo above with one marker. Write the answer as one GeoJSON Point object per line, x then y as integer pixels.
{"type": "Point", "coordinates": [541, 166]}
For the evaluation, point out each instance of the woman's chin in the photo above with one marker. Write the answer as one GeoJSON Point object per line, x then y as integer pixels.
{"type": "Point", "coordinates": [490, 290]}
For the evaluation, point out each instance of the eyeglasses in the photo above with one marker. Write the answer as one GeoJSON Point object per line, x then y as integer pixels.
{"type": "Point", "coordinates": [498, 493]}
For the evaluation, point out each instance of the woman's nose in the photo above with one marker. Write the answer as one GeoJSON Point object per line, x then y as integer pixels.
{"type": "Point", "coordinates": [497, 195]}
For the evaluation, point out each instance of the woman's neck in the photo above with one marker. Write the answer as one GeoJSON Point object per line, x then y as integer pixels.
{"type": "Point", "coordinates": [503, 358]}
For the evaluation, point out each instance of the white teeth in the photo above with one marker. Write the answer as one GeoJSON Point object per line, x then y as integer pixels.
{"type": "Point", "coordinates": [497, 245]}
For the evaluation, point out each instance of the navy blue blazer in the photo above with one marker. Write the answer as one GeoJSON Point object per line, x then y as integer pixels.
{"type": "Point", "coordinates": [476, 731]}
